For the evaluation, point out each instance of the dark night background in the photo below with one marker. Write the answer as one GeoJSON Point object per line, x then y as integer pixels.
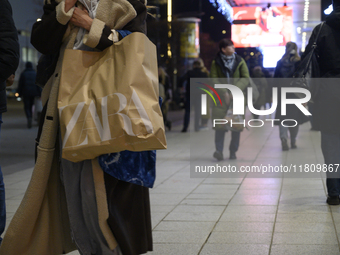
{"type": "Point", "coordinates": [210, 32]}
{"type": "Point", "coordinates": [214, 26]}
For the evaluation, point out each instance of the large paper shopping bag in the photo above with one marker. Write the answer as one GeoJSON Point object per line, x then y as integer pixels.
{"type": "Point", "coordinates": [108, 101]}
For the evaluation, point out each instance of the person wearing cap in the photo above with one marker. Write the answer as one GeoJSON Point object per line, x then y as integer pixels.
{"type": "Point", "coordinates": [327, 100]}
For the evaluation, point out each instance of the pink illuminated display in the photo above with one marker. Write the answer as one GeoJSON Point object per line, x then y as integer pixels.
{"type": "Point", "coordinates": [256, 26]}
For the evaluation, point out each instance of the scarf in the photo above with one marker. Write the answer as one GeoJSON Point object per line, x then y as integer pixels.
{"type": "Point", "coordinates": [228, 61]}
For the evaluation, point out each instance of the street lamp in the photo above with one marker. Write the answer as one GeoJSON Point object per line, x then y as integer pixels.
{"type": "Point", "coordinates": [169, 26]}
{"type": "Point", "coordinates": [169, 10]}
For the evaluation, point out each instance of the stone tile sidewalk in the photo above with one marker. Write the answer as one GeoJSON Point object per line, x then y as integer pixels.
{"type": "Point", "coordinates": [245, 215]}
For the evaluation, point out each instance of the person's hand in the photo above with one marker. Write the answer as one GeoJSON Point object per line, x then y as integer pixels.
{"type": "Point", "coordinates": [81, 18]}
{"type": "Point", "coordinates": [10, 80]}
{"type": "Point", "coordinates": [69, 4]}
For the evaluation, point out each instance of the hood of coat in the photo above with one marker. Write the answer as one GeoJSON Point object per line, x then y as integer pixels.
{"type": "Point", "coordinates": [333, 20]}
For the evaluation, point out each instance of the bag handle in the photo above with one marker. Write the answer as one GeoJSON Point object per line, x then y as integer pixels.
{"type": "Point", "coordinates": [317, 36]}
{"type": "Point", "coordinates": [314, 46]}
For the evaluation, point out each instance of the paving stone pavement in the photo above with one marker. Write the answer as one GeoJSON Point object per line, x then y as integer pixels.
{"type": "Point", "coordinates": [261, 214]}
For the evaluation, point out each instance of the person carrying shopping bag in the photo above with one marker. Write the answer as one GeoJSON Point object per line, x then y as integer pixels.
{"type": "Point", "coordinates": [76, 205]}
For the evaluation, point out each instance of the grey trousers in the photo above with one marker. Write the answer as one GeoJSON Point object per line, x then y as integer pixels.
{"type": "Point", "coordinates": [82, 208]}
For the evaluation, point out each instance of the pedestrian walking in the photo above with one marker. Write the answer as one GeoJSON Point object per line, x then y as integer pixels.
{"type": "Point", "coordinates": [285, 68]}
{"type": "Point", "coordinates": [326, 106]}
{"type": "Point", "coordinates": [28, 90]}
{"type": "Point", "coordinates": [69, 205]}
{"type": "Point", "coordinates": [195, 72]}
{"type": "Point", "coordinates": [9, 60]}
{"type": "Point", "coordinates": [227, 65]}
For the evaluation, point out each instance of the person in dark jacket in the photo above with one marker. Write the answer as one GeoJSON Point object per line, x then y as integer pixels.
{"type": "Point", "coordinates": [71, 199]}
{"type": "Point", "coordinates": [285, 68]}
{"type": "Point", "coordinates": [196, 72]}
{"type": "Point", "coordinates": [326, 110]}
{"type": "Point", "coordinates": [227, 65]}
{"type": "Point", "coordinates": [28, 90]}
{"type": "Point", "coordinates": [9, 60]}
{"type": "Point", "coordinates": [9, 49]}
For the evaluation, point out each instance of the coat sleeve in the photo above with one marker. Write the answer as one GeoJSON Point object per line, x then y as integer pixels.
{"type": "Point", "coordinates": [9, 46]}
{"type": "Point", "coordinates": [214, 75]}
{"type": "Point", "coordinates": [244, 75]}
{"type": "Point", "coordinates": [47, 33]}
{"type": "Point", "coordinates": [138, 24]}
{"type": "Point", "coordinates": [128, 15]}
{"type": "Point", "coordinates": [214, 72]}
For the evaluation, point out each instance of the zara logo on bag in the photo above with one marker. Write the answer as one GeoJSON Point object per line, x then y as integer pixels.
{"type": "Point", "coordinates": [83, 114]}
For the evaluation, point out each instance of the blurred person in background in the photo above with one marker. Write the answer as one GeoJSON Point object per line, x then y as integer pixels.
{"type": "Point", "coordinates": [285, 68]}
{"type": "Point", "coordinates": [166, 90]}
{"type": "Point", "coordinates": [228, 65]}
{"type": "Point", "coordinates": [28, 90]}
{"type": "Point", "coordinates": [262, 85]}
{"type": "Point", "coordinates": [326, 107]}
{"type": "Point", "coordinates": [205, 118]}
{"type": "Point", "coordinates": [9, 60]}
{"type": "Point", "coordinates": [195, 72]}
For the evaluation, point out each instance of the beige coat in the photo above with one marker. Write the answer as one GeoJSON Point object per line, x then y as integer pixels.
{"type": "Point", "coordinates": [41, 226]}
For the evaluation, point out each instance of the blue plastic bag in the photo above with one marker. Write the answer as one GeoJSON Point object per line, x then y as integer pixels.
{"type": "Point", "coordinates": [130, 166]}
